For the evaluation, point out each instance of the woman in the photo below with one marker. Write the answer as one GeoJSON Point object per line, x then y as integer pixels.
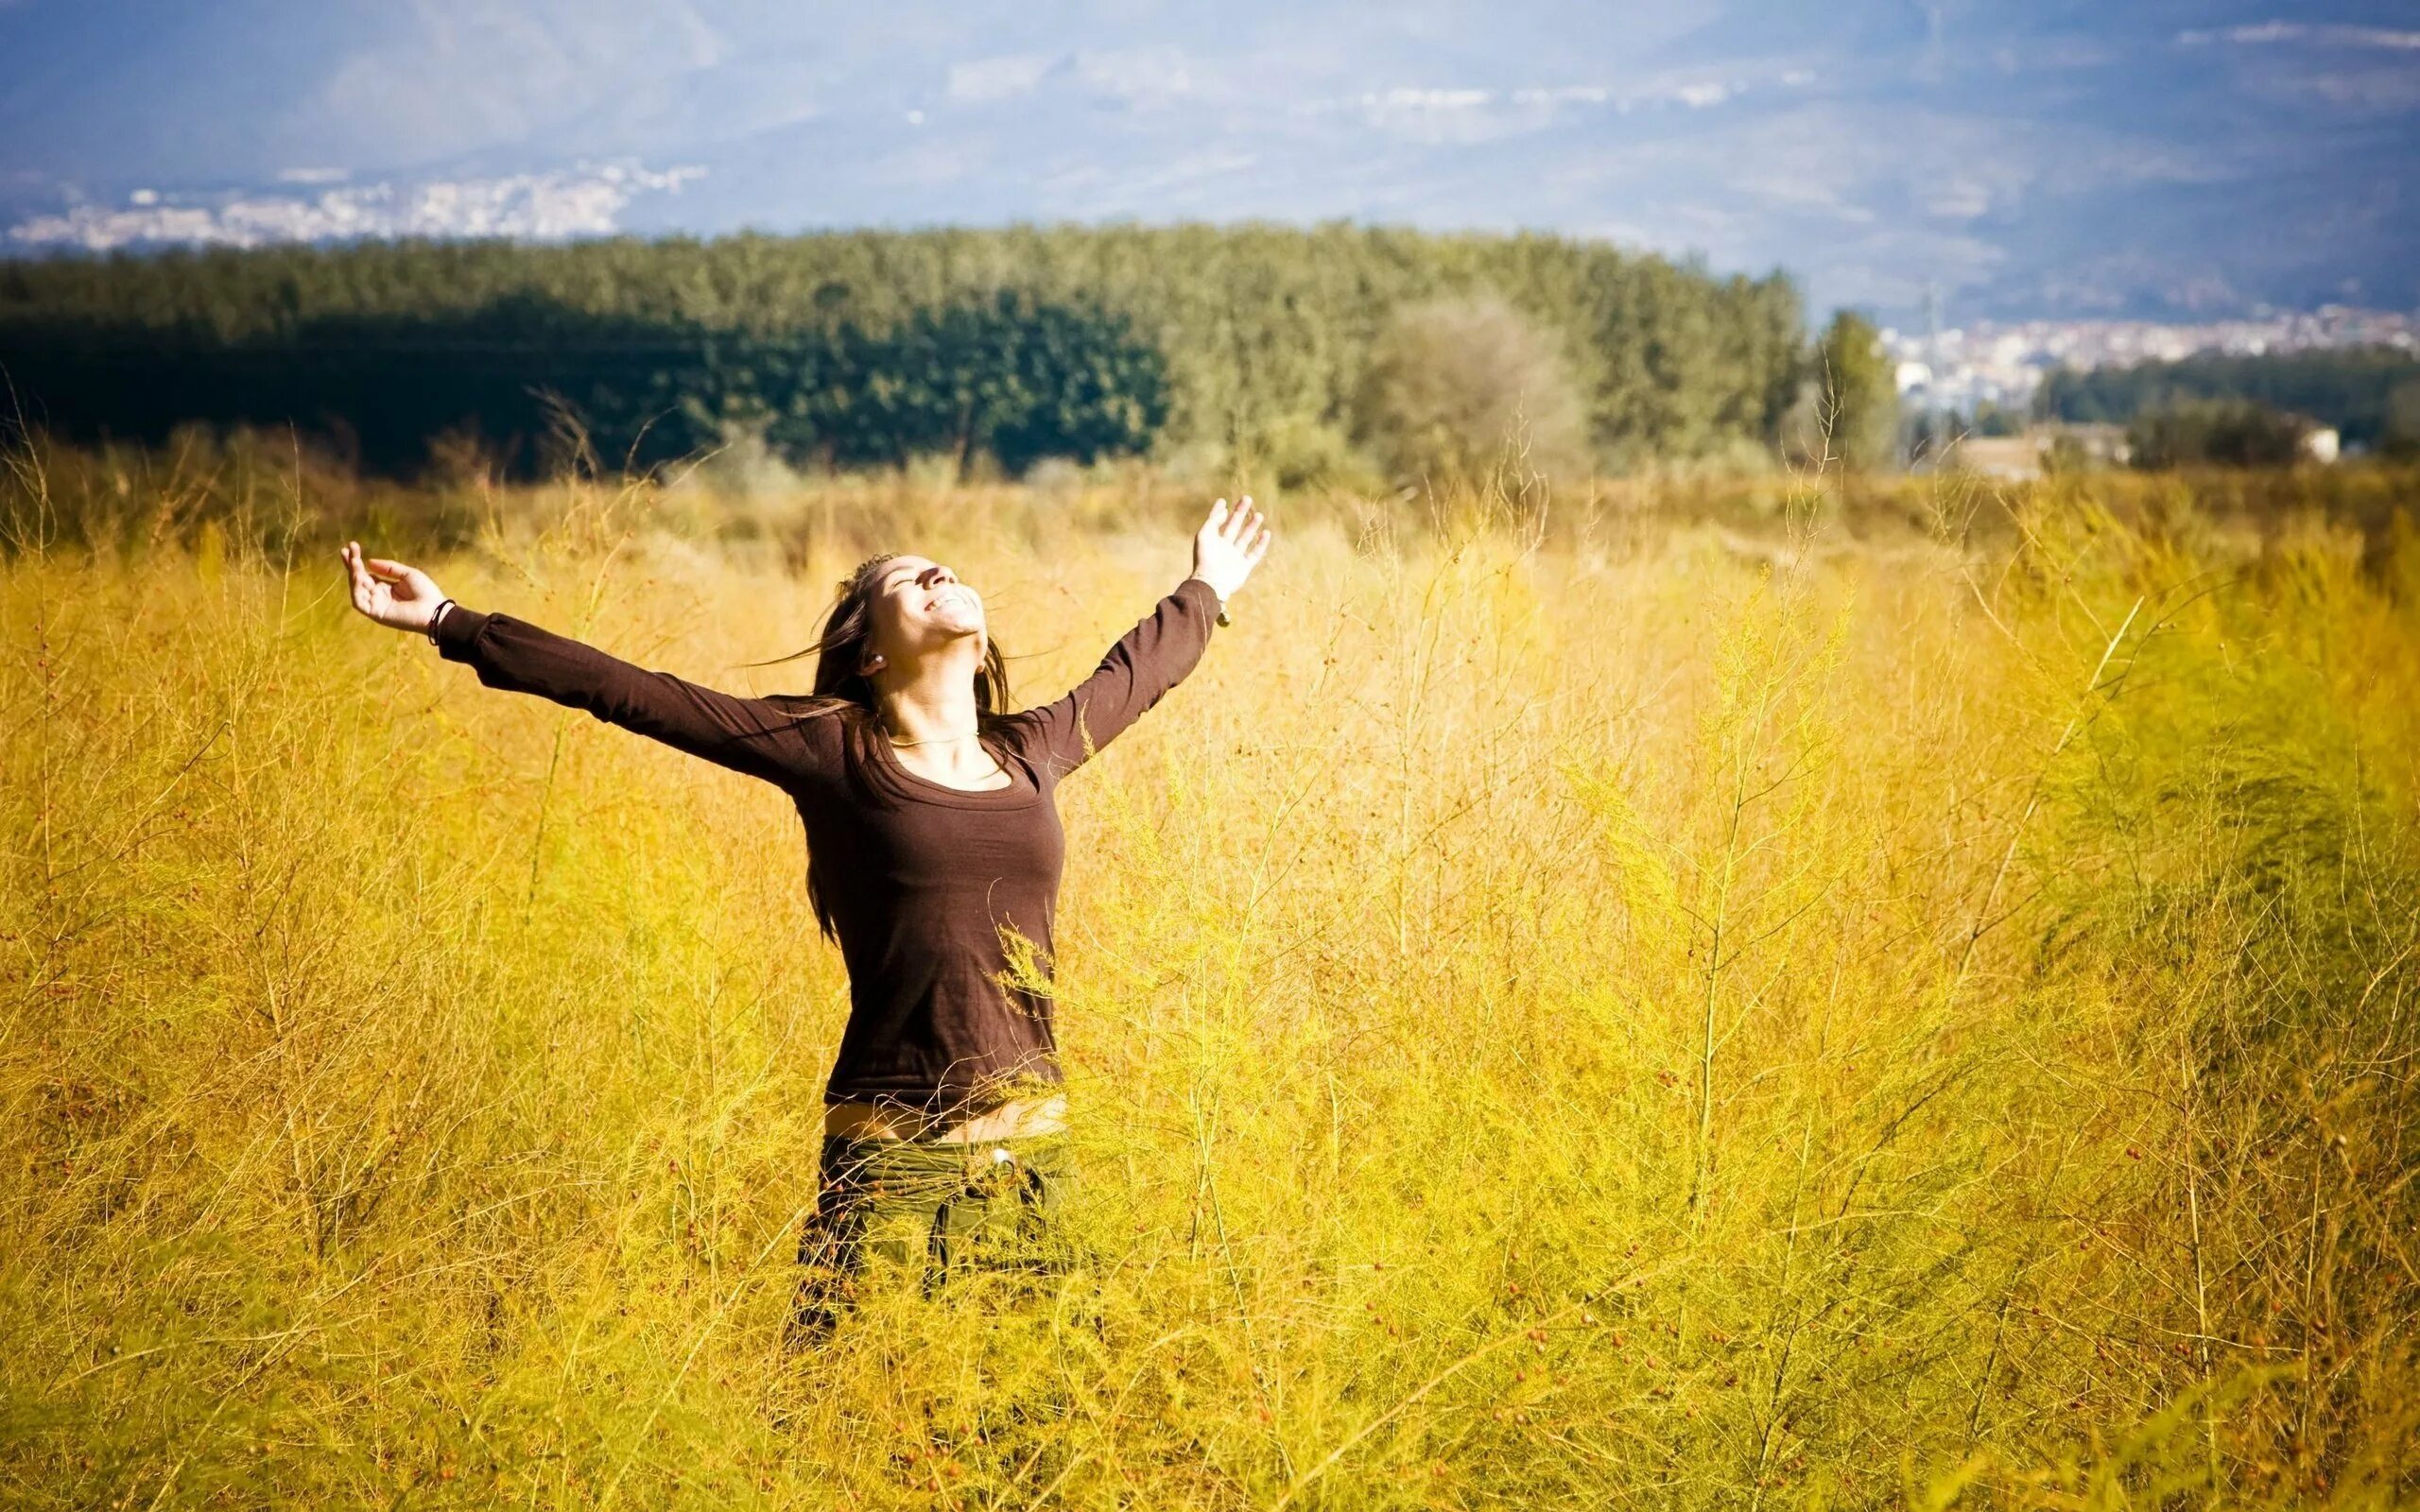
{"type": "Point", "coordinates": [934, 854]}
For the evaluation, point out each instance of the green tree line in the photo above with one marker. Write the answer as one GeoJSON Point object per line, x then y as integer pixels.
{"type": "Point", "coordinates": [1008, 377]}
{"type": "Point", "coordinates": [856, 347]}
{"type": "Point", "coordinates": [2369, 395]}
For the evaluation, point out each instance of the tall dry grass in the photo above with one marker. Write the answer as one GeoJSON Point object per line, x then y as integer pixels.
{"type": "Point", "coordinates": [1562, 1013]}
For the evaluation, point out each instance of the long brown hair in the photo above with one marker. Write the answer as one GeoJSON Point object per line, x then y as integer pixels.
{"type": "Point", "coordinates": [842, 690]}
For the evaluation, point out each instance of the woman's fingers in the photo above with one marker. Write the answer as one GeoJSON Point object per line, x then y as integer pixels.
{"type": "Point", "coordinates": [1243, 530]}
{"type": "Point", "coordinates": [1244, 527]}
{"type": "Point", "coordinates": [371, 596]}
{"type": "Point", "coordinates": [364, 590]}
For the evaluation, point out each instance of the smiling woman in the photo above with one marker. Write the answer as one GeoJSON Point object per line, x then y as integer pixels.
{"type": "Point", "coordinates": [925, 599]}
{"type": "Point", "coordinates": [934, 857]}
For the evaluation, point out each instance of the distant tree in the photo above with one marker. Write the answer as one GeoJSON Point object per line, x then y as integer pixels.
{"type": "Point", "coordinates": [1926, 436]}
{"type": "Point", "coordinates": [1848, 413]}
{"type": "Point", "coordinates": [1996, 419]}
{"type": "Point", "coordinates": [2216, 433]}
{"type": "Point", "coordinates": [1466, 389]}
{"type": "Point", "coordinates": [2400, 434]}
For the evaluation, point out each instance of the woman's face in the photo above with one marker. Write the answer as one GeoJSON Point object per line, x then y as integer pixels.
{"type": "Point", "coordinates": [919, 606]}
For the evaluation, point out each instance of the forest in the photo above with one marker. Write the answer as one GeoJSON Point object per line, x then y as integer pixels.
{"type": "Point", "coordinates": [1252, 341]}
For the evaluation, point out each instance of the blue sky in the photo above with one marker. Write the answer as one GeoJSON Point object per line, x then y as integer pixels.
{"type": "Point", "coordinates": [2048, 159]}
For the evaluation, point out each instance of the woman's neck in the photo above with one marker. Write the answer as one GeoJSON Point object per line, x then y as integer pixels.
{"type": "Point", "coordinates": [930, 720]}
{"type": "Point", "coordinates": [933, 711]}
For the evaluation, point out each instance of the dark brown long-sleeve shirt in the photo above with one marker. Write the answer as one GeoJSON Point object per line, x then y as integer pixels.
{"type": "Point", "coordinates": [925, 877]}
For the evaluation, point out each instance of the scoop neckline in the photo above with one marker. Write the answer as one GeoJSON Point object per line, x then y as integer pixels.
{"type": "Point", "coordinates": [1018, 793]}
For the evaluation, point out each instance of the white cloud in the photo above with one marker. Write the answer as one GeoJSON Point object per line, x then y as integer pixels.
{"type": "Point", "coordinates": [1136, 76]}
{"type": "Point", "coordinates": [2326, 33]}
{"type": "Point", "coordinates": [2374, 89]}
{"type": "Point", "coordinates": [1427, 99]}
{"type": "Point", "coordinates": [2050, 52]}
{"type": "Point", "coordinates": [1433, 115]}
{"type": "Point", "coordinates": [2360, 69]}
{"type": "Point", "coordinates": [1132, 76]}
{"type": "Point", "coordinates": [1436, 116]}
{"type": "Point", "coordinates": [431, 79]}
{"type": "Point", "coordinates": [580, 201]}
{"type": "Point", "coordinates": [933, 160]}
{"type": "Point", "coordinates": [1183, 180]}
{"type": "Point", "coordinates": [1956, 198]}
{"type": "Point", "coordinates": [989, 80]}
{"type": "Point", "coordinates": [312, 175]}
{"type": "Point", "coordinates": [1563, 95]}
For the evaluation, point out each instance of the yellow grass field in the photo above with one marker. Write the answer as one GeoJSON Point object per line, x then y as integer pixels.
{"type": "Point", "coordinates": [1567, 1008]}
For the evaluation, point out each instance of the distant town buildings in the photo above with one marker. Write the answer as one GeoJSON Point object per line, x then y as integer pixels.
{"type": "Point", "coordinates": [1962, 369]}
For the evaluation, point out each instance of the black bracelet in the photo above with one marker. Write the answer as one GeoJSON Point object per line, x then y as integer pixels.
{"type": "Point", "coordinates": [437, 616]}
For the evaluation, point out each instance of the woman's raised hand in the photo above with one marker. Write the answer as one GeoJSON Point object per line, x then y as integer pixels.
{"type": "Point", "coordinates": [397, 596]}
{"type": "Point", "coordinates": [1230, 545]}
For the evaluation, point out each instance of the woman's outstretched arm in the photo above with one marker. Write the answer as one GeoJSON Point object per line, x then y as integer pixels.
{"type": "Point", "coordinates": [1158, 653]}
{"type": "Point", "coordinates": [745, 735]}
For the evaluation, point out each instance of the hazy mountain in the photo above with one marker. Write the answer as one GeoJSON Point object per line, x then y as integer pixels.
{"type": "Point", "coordinates": [2159, 159]}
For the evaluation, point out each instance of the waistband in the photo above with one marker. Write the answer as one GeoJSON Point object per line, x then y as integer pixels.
{"type": "Point", "coordinates": [1020, 1118]}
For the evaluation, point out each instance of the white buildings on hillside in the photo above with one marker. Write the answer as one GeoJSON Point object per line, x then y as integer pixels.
{"type": "Point", "coordinates": [1960, 369]}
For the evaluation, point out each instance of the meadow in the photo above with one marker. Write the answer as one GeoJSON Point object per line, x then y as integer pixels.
{"type": "Point", "coordinates": [1828, 996]}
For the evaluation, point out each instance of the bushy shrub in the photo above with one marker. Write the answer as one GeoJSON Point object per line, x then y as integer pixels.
{"type": "Point", "coordinates": [1466, 390]}
{"type": "Point", "coordinates": [1296, 454]}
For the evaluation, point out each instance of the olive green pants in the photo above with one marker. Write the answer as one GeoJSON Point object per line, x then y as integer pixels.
{"type": "Point", "coordinates": [927, 1208]}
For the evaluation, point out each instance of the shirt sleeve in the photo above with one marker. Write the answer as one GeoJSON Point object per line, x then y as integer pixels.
{"type": "Point", "coordinates": [1144, 664]}
{"type": "Point", "coordinates": [749, 735]}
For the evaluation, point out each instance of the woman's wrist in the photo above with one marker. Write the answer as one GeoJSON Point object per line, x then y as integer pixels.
{"type": "Point", "coordinates": [1218, 599]}
{"type": "Point", "coordinates": [437, 618]}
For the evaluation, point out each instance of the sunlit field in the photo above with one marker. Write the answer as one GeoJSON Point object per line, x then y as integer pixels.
{"type": "Point", "coordinates": [1856, 999]}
